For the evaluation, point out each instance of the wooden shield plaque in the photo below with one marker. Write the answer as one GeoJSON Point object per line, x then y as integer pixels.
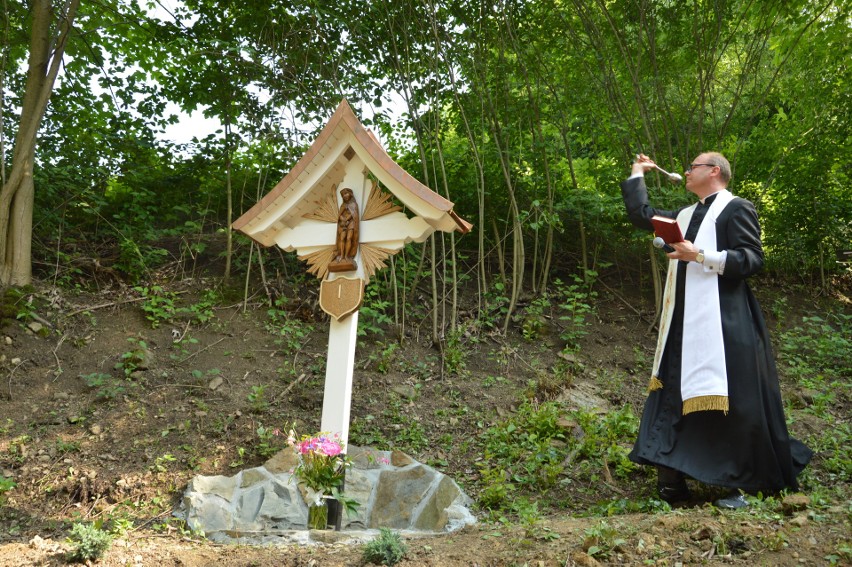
{"type": "Point", "coordinates": [341, 296]}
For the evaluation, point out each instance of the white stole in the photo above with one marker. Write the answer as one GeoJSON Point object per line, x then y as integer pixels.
{"type": "Point", "coordinates": [704, 378]}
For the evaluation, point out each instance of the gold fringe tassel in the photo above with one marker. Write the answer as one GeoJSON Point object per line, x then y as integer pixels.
{"type": "Point", "coordinates": [706, 403]}
{"type": "Point", "coordinates": [654, 384]}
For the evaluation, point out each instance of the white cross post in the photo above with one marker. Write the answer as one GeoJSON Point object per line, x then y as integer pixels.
{"type": "Point", "coordinates": [391, 231]}
{"type": "Point", "coordinates": [343, 334]}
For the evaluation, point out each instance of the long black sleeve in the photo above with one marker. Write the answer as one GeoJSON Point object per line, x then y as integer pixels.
{"type": "Point", "coordinates": [742, 240]}
{"type": "Point", "coordinates": [635, 195]}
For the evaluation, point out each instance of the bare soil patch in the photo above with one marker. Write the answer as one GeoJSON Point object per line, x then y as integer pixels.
{"type": "Point", "coordinates": [85, 440]}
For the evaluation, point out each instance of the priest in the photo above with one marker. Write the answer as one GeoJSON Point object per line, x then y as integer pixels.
{"type": "Point", "coordinates": [714, 411]}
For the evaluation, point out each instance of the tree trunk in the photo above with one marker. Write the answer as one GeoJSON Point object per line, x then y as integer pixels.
{"type": "Point", "coordinates": [18, 192]}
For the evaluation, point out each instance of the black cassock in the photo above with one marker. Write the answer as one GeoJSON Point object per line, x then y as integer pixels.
{"type": "Point", "coordinates": [749, 447]}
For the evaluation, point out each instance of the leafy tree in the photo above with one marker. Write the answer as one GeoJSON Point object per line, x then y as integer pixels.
{"type": "Point", "coordinates": [49, 32]}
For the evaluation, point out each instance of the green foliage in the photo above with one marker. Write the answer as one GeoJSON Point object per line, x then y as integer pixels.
{"type": "Point", "coordinates": [18, 448]}
{"type": "Point", "coordinates": [366, 432]}
{"type": "Point", "coordinates": [818, 355]}
{"type": "Point", "coordinates": [607, 439]}
{"type": "Point", "coordinates": [158, 305]}
{"type": "Point", "coordinates": [161, 463]}
{"type": "Point", "coordinates": [202, 310]}
{"type": "Point", "coordinates": [265, 447]}
{"type": "Point", "coordinates": [524, 451]}
{"type": "Point", "coordinates": [530, 519]}
{"type": "Point", "coordinates": [529, 134]}
{"type": "Point", "coordinates": [411, 438]}
{"type": "Point", "coordinates": [64, 447]}
{"type": "Point", "coordinates": [622, 506]}
{"type": "Point", "coordinates": [121, 527]}
{"type": "Point", "coordinates": [373, 316]}
{"type": "Point", "coordinates": [575, 304]}
{"type": "Point", "coordinates": [106, 387]}
{"type": "Point", "coordinates": [833, 446]}
{"type": "Point", "coordinates": [533, 321]}
{"type": "Point", "coordinates": [138, 259]}
{"type": "Point", "coordinates": [530, 450]}
{"type": "Point", "coordinates": [6, 485]}
{"type": "Point", "coordinates": [89, 542]}
{"type": "Point", "coordinates": [497, 488]}
{"type": "Point", "coordinates": [496, 307]}
{"type": "Point", "coordinates": [257, 399]}
{"type": "Point", "coordinates": [387, 549]}
{"type": "Point", "coordinates": [134, 359]}
{"type": "Point", "coordinates": [16, 303]}
{"type": "Point", "coordinates": [384, 356]}
{"type": "Point", "coordinates": [455, 350]}
{"type": "Point", "coordinates": [602, 540]}
{"type": "Point", "coordinates": [842, 555]}
{"type": "Point", "coordinates": [819, 345]}
{"type": "Point", "coordinates": [290, 332]}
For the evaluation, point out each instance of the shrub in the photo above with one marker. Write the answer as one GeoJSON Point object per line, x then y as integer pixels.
{"type": "Point", "coordinates": [89, 543]}
{"type": "Point", "coordinates": [387, 549]}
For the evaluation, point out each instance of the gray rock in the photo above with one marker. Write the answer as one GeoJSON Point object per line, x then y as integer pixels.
{"type": "Point", "coordinates": [433, 512]}
{"type": "Point", "coordinates": [221, 486]}
{"type": "Point", "coordinates": [282, 462]}
{"type": "Point", "coordinates": [247, 509]}
{"type": "Point", "coordinates": [400, 459]}
{"type": "Point", "coordinates": [366, 458]}
{"type": "Point", "coordinates": [359, 487]}
{"type": "Point", "coordinates": [263, 504]}
{"type": "Point", "coordinates": [405, 391]}
{"type": "Point", "coordinates": [253, 476]}
{"type": "Point", "coordinates": [283, 506]}
{"type": "Point", "coordinates": [398, 493]}
{"type": "Point", "coordinates": [208, 513]}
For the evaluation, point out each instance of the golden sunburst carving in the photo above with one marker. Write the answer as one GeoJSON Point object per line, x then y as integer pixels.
{"type": "Point", "coordinates": [379, 204]}
{"type": "Point", "coordinates": [373, 258]}
{"type": "Point", "coordinates": [318, 261]}
{"type": "Point", "coordinates": [326, 209]}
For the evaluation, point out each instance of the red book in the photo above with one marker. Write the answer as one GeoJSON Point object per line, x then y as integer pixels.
{"type": "Point", "coordinates": [667, 229]}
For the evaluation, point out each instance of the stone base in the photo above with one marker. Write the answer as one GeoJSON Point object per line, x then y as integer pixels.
{"type": "Point", "coordinates": [392, 489]}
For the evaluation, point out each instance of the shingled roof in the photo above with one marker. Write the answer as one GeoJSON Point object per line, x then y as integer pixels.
{"type": "Point", "coordinates": [322, 166]}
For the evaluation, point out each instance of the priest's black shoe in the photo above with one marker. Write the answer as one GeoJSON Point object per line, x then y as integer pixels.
{"type": "Point", "coordinates": [673, 492]}
{"type": "Point", "coordinates": [733, 501]}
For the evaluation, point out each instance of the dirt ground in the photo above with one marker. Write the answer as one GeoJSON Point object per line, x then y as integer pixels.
{"type": "Point", "coordinates": [85, 440]}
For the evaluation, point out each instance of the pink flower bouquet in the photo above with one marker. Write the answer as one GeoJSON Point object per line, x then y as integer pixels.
{"type": "Point", "coordinates": [322, 462]}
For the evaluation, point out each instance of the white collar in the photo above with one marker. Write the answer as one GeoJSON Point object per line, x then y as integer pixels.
{"type": "Point", "coordinates": [710, 195]}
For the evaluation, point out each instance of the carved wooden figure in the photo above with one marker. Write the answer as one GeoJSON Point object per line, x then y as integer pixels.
{"type": "Point", "coordinates": [346, 245]}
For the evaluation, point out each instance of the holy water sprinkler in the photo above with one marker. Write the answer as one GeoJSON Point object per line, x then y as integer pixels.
{"type": "Point", "coordinates": [673, 177]}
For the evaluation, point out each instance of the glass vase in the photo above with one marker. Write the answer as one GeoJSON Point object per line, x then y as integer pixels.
{"type": "Point", "coordinates": [318, 516]}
